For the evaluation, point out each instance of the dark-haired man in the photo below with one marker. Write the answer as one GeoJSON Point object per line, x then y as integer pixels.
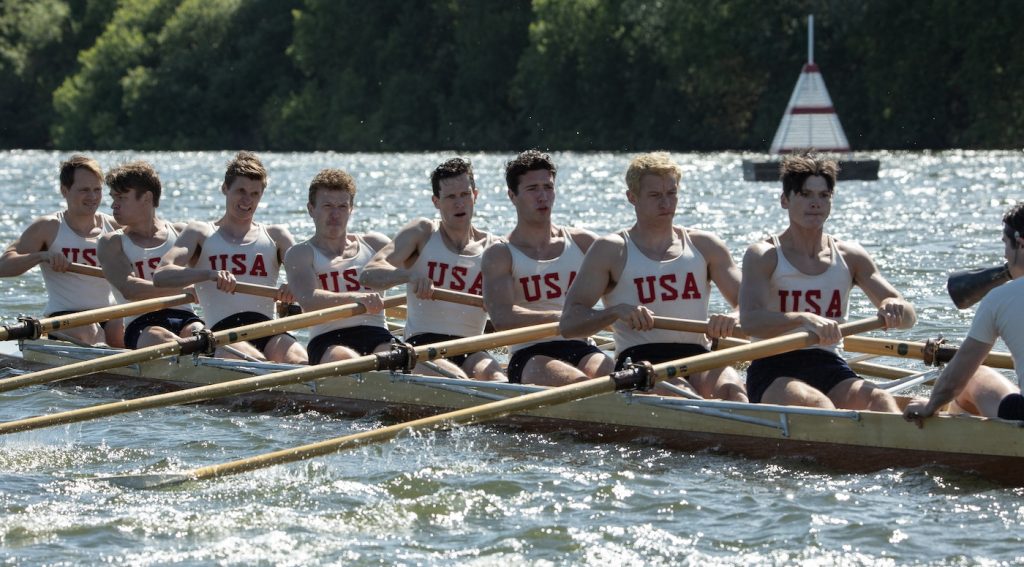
{"type": "Point", "coordinates": [55, 241]}
{"type": "Point", "coordinates": [444, 254]}
{"type": "Point", "coordinates": [130, 255]}
{"type": "Point", "coordinates": [801, 280]}
{"type": "Point", "coordinates": [215, 256]}
{"type": "Point", "coordinates": [976, 388]}
{"type": "Point", "coordinates": [324, 272]}
{"type": "Point", "coordinates": [527, 277]}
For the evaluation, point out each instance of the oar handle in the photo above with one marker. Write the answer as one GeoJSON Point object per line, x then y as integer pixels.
{"type": "Point", "coordinates": [967, 287]}
{"type": "Point", "coordinates": [691, 326]}
{"type": "Point", "coordinates": [457, 297]}
{"type": "Point", "coordinates": [240, 287]}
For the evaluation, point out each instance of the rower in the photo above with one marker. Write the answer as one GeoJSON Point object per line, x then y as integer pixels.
{"type": "Point", "coordinates": [130, 255]}
{"type": "Point", "coordinates": [976, 388]}
{"type": "Point", "coordinates": [55, 241]}
{"type": "Point", "coordinates": [446, 253]}
{"type": "Point", "coordinates": [525, 279]}
{"type": "Point", "coordinates": [656, 267]}
{"type": "Point", "coordinates": [215, 256]}
{"type": "Point", "coordinates": [801, 280]}
{"type": "Point", "coordinates": [324, 272]}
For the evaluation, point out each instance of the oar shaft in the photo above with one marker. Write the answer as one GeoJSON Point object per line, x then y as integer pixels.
{"type": "Point", "coordinates": [908, 349]}
{"type": "Point", "coordinates": [535, 400]}
{"type": "Point", "coordinates": [285, 378]}
{"type": "Point", "coordinates": [691, 326]}
{"type": "Point", "coordinates": [71, 320]}
{"type": "Point", "coordinates": [240, 287]}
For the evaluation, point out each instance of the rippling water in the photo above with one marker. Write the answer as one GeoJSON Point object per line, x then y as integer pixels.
{"type": "Point", "coordinates": [483, 495]}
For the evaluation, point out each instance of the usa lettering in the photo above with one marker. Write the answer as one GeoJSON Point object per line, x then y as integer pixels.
{"type": "Point", "coordinates": [454, 278]}
{"type": "Point", "coordinates": [345, 280]}
{"type": "Point", "coordinates": [548, 286]}
{"type": "Point", "coordinates": [666, 288]}
{"type": "Point", "coordinates": [239, 264]}
{"type": "Point", "coordinates": [140, 266]}
{"type": "Point", "coordinates": [81, 255]}
{"type": "Point", "coordinates": [809, 301]}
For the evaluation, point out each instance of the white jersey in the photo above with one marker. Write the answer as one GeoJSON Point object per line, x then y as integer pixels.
{"type": "Point", "coordinates": [253, 262]}
{"type": "Point", "coordinates": [827, 294]}
{"type": "Point", "coordinates": [339, 274]}
{"type": "Point", "coordinates": [542, 284]}
{"type": "Point", "coordinates": [74, 292]}
{"type": "Point", "coordinates": [670, 288]}
{"type": "Point", "coordinates": [447, 270]}
{"type": "Point", "coordinates": [998, 316]}
{"type": "Point", "coordinates": [144, 261]}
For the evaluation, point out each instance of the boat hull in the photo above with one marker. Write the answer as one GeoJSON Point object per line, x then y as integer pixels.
{"type": "Point", "coordinates": [846, 440]}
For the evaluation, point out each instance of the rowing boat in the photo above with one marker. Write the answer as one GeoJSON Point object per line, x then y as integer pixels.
{"type": "Point", "coordinates": [855, 441]}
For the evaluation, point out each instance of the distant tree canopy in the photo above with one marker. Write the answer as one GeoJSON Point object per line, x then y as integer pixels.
{"type": "Point", "coordinates": [374, 75]}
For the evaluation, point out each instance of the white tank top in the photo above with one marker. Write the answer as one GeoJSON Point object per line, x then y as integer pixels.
{"type": "Point", "coordinates": [339, 274]}
{"type": "Point", "coordinates": [253, 262]}
{"type": "Point", "coordinates": [827, 294]}
{"type": "Point", "coordinates": [144, 261]}
{"type": "Point", "coordinates": [75, 292]}
{"type": "Point", "coordinates": [542, 284]}
{"type": "Point", "coordinates": [447, 270]}
{"type": "Point", "coordinates": [670, 288]}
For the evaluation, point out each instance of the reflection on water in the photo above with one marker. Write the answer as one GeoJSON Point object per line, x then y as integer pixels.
{"type": "Point", "coordinates": [486, 494]}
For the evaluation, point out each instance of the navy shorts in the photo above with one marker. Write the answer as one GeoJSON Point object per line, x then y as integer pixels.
{"type": "Point", "coordinates": [820, 369]}
{"type": "Point", "coordinates": [363, 339]}
{"type": "Point", "coordinates": [656, 353]}
{"type": "Point", "coordinates": [428, 338]}
{"type": "Point", "coordinates": [174, 320]}
{"type": "Point", "coordinates": [1012, 407]}
{"type": "Point", "coordinates": [570, 352]}
{"type": "Point", "coordinates": [247, 318]}
{"type": "Point", "coordinates": [103, 324]}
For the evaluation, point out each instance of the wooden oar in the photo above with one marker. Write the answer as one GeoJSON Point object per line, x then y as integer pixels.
{"type": "Point", "coordinates": [930, 353]}
{"type": "Point", "coordinates": [240, 287]}
{"type": "Point", "coordinates": [205, 342]}
{"type": "Point", "coordinates": [631, 378]}
{"type": "Point", "coordinates": [402, 357]}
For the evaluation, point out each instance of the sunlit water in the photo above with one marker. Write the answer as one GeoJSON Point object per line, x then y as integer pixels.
{"type": "Point", "coordinates": [485, 495]}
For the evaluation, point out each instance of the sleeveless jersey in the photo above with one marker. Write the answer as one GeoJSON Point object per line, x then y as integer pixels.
{"type": "Point", "coordinates": [144, 261]}
{"type": "Point", "coordinates": [670, 288]}
{"type": "Point", "coordinates": [998, 316]}
{"type": "Point", "coordinates": [542, 284]}
{"type": "Point", "coordinates": [253, 262]}
{"type": "Point", "coordinates": [447, 270]}
{"type": "Point", "coordinates": [339, 275]}
{"type": "Point", "coordinates": [827, 294]}
{"type": "Point", "coordinates": [75, 292]}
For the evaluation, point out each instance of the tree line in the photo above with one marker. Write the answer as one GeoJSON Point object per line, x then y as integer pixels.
{"type": "Point", "coordinates": [395, 75]}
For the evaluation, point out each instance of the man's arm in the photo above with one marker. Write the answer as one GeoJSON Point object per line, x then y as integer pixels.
{"type": "Point", "coordinates": [582, 237]}
{"type": "Point", "coordinates": [302, 281]}
{"type": "Point", "coordinates": [954, 378]}
{"type": "Point", "coordinates": [601, 269]}
{"type": "Point", "coordinates": [499, 296]}
{"type": "Point", "coordinates": [176, 269]}
{"type": "Point", "coordinates": [118, 271]}
{"type": "Point", "coordinates": [391, 265]}
{"type": "Point", "coordinates": [897, 312]}
{"type": "Point", "coordinates": [726, 276]}
{"type": "Point", "coordinates": [32, 249]}
{"type": "Point", "coordinates": [756, 316]}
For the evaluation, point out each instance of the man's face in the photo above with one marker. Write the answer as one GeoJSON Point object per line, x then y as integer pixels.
{"type": "Point", "coordinates": [242, 197]}
{"type": "Point", "coordinates": [456, 199]}
{"type": "Point", "coordinates": [331, 212]}
{"type": "Point", "coordinates": [811, 205]}
{"type": "Point", "coordinates": [656, 198]}
{"type": "Point", "coordinates": [86, 192]}
{"type": "Point", "coordinates": [536, 196]}
{"type": "Point", "coordinates": [127, 207]}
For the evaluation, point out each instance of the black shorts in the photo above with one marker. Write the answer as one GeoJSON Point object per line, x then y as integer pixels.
{"type": "Point", "coordinates": [656, 353]}
{"type": "Point", "coordinates": [247, 318]}
{"type": "Point", "coordinates": [428, 338]}
{"type": "Point", "coordinates": [570, 352]}
{"type": "Point", "coordinates": [103, 324]}
{"type": "Point", "coordinates": [1012, 407]}
{"type": "Point", "coordinates": [363, 339]}
{"type": "Point", "coordinates": [820, 369]}
{"type": "Point", "coordinates": [174, 320]}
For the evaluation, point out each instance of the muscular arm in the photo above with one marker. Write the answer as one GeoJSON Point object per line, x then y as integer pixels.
{"type": "Point", "coordinates": [391, 265]}
{"type": "Point", "coordinates": [32, 248]}
{"type": "Point", "coordinates": [499, 296]}
{"type": "Point", "coordinates": [118, 271]}
{"type": "Point", "coordinates": [600, 271]}
{"type": "Point", "coordinates": [898, 312]}
{"type": "Point", "coordinates": [954, 377]}
{"type": "Point", "coordinates": [176, 268]}
{"type": "Point", "coordinates": [302, 282]}
{"type": "Point", "coordinates": [721, 269]}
